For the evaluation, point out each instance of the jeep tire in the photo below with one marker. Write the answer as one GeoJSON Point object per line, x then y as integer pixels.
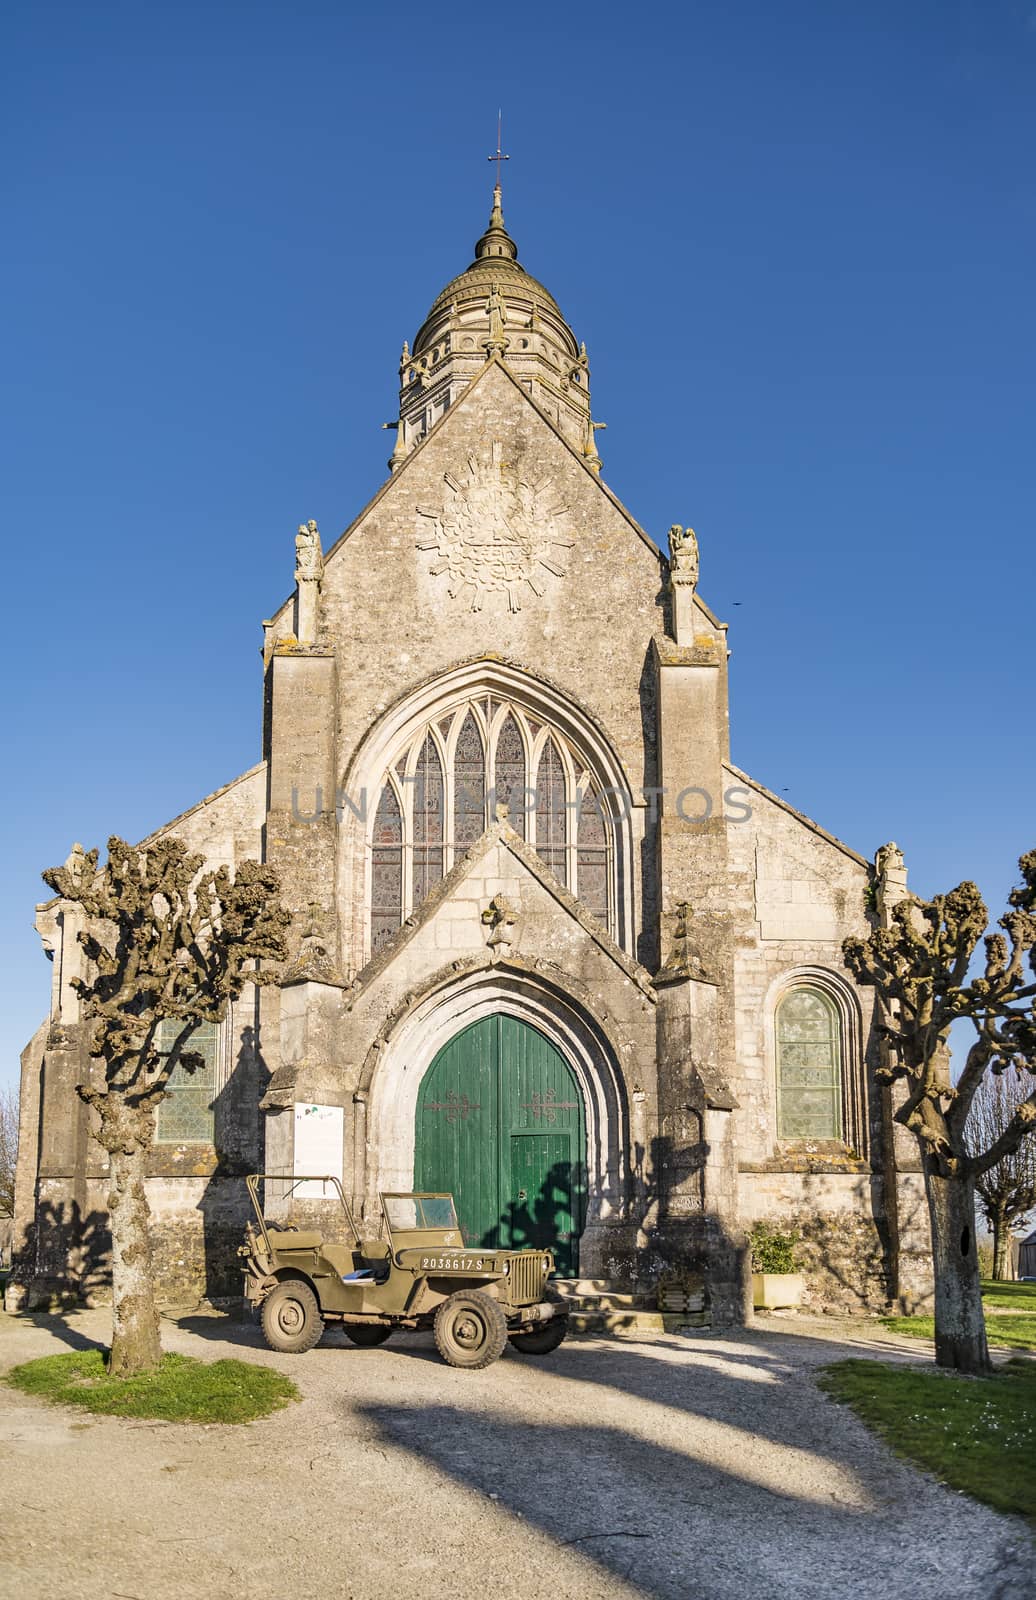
{"type": "Point", "coordinates": [291, 1319]}
{"type": "Point", "coordinates": [366, 1334]}
{"type": "Point", "coordinates": [470, 1329]}
{"type": "Point", "coordinates": [541, 1341]}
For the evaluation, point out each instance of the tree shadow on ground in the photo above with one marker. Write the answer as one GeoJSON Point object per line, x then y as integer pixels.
{"type": "Point", "coordinates": [57, 1324]}
{"type": "Point", "coordinates": [707, 1512]}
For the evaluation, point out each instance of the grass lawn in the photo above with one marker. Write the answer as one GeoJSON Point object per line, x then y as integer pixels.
{"type": "Point", "coordinates": [1014, 1296]}
{"type": "Point", "coordinates": [180, 1390]}
{"type": "Point", "coordinates": [976, 1434]}
{"type": "Point", "coordinates": [1015, 1330]}
{"type": "Point", "coordinates": [1011, 1332]}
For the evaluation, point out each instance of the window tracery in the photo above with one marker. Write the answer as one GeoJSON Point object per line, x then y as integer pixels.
{"type": "Point", "coordinates": [441, 793]}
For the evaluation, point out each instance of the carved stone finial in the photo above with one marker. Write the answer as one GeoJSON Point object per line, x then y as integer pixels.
{"type": "Point", "coordinates": [502, 811]}
{"type": "Point", "coordinates": [404, 360]}
{"type": "Point", "coordinates": [398, 456]}
{"type": "Point", "coordinates": [590, 454]}
{"type": "Point", "coordinates": [502, 917]}
{"type": "Point", "coordinates": [685, 959]}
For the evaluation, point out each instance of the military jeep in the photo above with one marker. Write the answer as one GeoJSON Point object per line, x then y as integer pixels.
{"type": "Point", "coordinates": [418, 1275]}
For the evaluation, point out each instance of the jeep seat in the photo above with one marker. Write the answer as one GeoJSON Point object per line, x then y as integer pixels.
{"type": "Point", "coordinates": [294, 1240]}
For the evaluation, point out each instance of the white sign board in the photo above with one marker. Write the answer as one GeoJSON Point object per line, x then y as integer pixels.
{"type": "Point", "coordinates": [319, 1148]}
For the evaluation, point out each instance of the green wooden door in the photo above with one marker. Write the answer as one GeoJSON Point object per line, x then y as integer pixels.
{"type": "Point", "coordinates": [500, 1125]}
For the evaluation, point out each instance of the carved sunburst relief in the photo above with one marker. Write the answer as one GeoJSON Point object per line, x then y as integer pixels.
{"type": "Point", "coordinates": [496, 532]}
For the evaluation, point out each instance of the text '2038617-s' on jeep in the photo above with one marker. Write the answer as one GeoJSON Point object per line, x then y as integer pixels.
{"type": "Point", "coordinates": [419, 1275]}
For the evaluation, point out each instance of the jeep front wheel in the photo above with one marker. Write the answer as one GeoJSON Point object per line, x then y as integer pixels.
{"type": "Point", "coordinates": [541, 1341]}
{"type": "Point", "coordinates": [470, 1329]}
{"type": "Point", "coordinates": [291, 1319]}
{"type": "Point", "coordinates": [366, 1334]}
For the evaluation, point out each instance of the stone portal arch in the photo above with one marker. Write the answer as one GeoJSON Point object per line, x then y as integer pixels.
{"type": "Point", "coordinates": [401, 1060]}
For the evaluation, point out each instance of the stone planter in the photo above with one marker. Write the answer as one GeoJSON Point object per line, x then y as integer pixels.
{"type": "Point", "coordinates": [775, 1291]}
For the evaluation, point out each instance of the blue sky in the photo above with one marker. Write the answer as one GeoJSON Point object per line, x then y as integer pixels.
{"type": "Point", "coordinates": [798, 240]}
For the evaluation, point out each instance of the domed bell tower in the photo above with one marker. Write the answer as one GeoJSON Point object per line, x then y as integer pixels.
{"type": "Point", "coordinates": [494, 309]}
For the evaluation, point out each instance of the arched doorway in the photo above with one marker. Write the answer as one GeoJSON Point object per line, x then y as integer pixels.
{"type": "Point", "coordinates": [501, 1125]}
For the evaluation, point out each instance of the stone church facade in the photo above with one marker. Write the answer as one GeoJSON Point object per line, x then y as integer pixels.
{"type": "Point", "coordinates": [551, 949]}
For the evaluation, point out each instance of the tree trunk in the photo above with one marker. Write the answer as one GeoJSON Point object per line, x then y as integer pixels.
{"type": "Point", "coordinates": [960, 1329]}
{"type": "Point", "coordinates": [135, 1342]}
{"type": "Point", "coordinates": [1001, 1246]}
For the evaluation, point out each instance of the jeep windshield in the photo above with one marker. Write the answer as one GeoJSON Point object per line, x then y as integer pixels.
{"type": "Point", "coordinates": [418, 1213]}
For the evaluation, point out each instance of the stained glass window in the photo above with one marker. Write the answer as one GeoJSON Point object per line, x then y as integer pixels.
{"type": "Point", "coordinates": [185, 1115]}
{"type": "Point", "coordinates": [550, 812]}
{"type": "Point", "coordinates": [386, 869]}
{"type": "Point", "coordinates": [509, 788]}
{"type": "Point", "coordinates": [809, 1067]}
{"type": "Point", "coordinates": [592, 857]}
{"type": "Point", "coordinates": [469, 786]}
{"type": "Point", "coordinates": [428, 820]}
{"type": "Point", "coordinates": [417, 839]}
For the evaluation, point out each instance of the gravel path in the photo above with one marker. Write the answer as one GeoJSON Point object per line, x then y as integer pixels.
{"type": "Point", "coordinates": [667, 1467]}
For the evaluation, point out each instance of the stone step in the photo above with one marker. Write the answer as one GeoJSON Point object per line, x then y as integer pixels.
{"type": "Point", "coordinates": [580, 1286]}
{"type": "Point", "coordinates": [630, 1324]}
{"type": "Point", "coordinates": [578, 1296]}
{"type": "Point", "coordinates": [609, 1301]}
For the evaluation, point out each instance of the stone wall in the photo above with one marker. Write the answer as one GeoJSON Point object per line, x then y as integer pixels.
{"type": "Point", "coordinates": [843, 1250]}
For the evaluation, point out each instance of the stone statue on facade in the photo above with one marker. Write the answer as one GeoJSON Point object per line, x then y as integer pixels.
{"type": "Point", "coordinates": [683, 555]}
{"type": "Point", "coordinates": [889, 859]}
{"type": "Point", "coordinates": [497, 311]}
{"type": "Point", "coordinates": [309, 557]}
{"type": "Point", "coordinates": [314, 962]}
{"type": "Point", "coordinates": [502, 917]}
{"type": "Point", "coordinates": [309, 571]}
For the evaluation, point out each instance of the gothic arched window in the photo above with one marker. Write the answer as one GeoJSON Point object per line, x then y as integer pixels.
{"type": "Point", "coordinates": [442, 791]}
{"type": "Point", "coordinates": [469, 785]}
{"type": "Point", "coordinates": [809, 1065]}
{"type": "Point", "coordinates": [509, 773]}
{"type": "Point", "coordinates": [550, 812]}
{"type": "Point", "coordinates": [386, 868]}
{"type": "Point", "coordinates": [428, 820]}
{"type": "Point", "coordinates": [592, 855]}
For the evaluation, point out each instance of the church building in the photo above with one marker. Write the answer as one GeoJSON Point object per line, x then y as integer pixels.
{"type": "Point", "coordinates": [551, 950]}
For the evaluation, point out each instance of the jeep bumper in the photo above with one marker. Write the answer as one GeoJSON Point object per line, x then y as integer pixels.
{"type": "Point", "coordinates": [534, 1316]}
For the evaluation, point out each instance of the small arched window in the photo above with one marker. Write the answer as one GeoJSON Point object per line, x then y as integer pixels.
{"type": "Point", "coordinates": [809, 1066]}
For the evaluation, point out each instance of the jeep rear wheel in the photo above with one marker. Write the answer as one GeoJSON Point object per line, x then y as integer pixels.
{"type": "Point", "coordinates": [542, 1340]}
{"type": "Point", "coordinates": [366, 1335]}
{"type": "Point", "coordinates": [470, 1329]}
{"type": "Point", "coordinates": [291, 1318]}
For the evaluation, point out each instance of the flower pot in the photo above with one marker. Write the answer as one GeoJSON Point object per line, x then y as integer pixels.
{"type": "Point", "coordinates": [773, 1291]}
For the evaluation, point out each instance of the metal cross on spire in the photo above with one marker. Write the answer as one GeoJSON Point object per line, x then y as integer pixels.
{"type": "Point", "coordinates": [499, 157]}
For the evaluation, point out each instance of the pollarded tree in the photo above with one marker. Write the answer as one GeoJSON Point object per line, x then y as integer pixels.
{"type": "Point", "coordinates": [919, 967]}
{"type": "Point", "coordinates": [164, 940]}
{"type": "Point", "coordinates": [1006, 1190]}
